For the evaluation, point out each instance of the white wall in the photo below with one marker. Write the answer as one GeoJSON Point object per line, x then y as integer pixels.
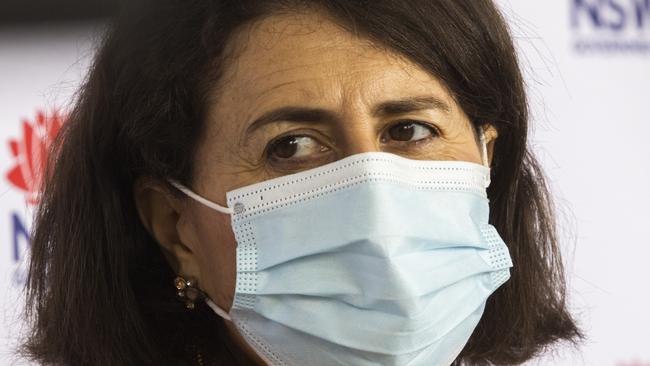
{"type": "Point", "coordinates": [592, 124]}
{"type": "Point", "coordinates": [40, 69]}
{"type": "Point", "coordinates": [591, 128]}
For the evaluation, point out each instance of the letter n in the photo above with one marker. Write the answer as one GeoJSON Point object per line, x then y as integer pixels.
{"type": "Point", "coordinates": [19, 232]}
{"type": "Point", "coordinates": [579, 7]}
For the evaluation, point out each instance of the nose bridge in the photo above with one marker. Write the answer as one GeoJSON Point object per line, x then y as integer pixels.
{"type": "Point", "coordinates": [358, 133]}
{"type": "Point", "coordinates": [358, 145]}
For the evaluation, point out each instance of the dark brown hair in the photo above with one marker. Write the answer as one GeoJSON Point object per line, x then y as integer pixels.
{"type": "Point", "coordinates": [100, 291]}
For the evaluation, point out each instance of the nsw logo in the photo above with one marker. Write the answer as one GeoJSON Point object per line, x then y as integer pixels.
{"type": "Point", "coordinates": [29, 155]}
{"type": "Point", "coordinates": [613, 26]}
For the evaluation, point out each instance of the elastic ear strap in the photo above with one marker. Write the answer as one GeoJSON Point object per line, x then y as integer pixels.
{"type": "Point", "coordinates": [484, 156]}
{"type": "Point", "coordinates": [222, 313]}
{"type": "Point", "coordinates": [196, 197]}
{"type": "Point", "coordinates": [227, 317]}
{"type": "Point", "coordinates": [484, 153]}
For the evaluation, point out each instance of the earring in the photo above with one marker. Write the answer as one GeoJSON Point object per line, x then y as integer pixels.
{"type": "Point", "coordinates": [188, 291]}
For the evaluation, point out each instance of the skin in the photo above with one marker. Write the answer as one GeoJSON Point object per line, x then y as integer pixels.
{"type": "Point", "coordinates": [300, 60]}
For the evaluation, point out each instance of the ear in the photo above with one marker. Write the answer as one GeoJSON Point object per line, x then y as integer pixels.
{"type": "Point", "coordinates": [491, 134]}
{"type": "Point", "coordinates": [162, 214]}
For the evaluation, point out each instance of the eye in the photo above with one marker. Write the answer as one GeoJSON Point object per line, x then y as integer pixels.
{"type": "Point", "coordinates": [409, 131]}
{"type": "Point", "coordinates": [295, 147]}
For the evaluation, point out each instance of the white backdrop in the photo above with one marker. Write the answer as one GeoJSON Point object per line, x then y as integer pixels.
{"type": "Point", "coordinates": [587, 66]}
{"type": "Point", "coordinates": [40, 68]}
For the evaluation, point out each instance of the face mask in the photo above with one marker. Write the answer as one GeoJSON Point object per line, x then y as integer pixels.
{"type": "Point", "coordinates": [371, 260]}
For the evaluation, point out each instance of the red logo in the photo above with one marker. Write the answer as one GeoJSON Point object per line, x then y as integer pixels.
{"type": "Point", "coordinates": [30, 153]}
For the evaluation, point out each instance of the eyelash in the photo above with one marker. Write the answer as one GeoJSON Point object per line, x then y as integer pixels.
{"type": "Point", "coordinates": [435, 132]}
{"type": "Point", "coordinates": [296, 134]}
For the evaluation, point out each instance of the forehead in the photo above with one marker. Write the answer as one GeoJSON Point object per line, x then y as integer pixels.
{"type": "Point", "coordinates": [305, 57]}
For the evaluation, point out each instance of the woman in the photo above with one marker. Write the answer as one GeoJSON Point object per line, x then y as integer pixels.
{"type": "Point", "coordinates": [352, 140]}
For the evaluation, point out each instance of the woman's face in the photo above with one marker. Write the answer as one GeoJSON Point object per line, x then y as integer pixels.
{"type": "Point", "coordinates": [298, 92]}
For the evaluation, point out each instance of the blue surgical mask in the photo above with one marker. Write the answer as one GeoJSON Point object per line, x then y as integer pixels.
{"type": "Point", "coordinates": [371, 260]}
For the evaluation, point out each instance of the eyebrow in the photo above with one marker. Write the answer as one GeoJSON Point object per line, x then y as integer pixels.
{"type": "Point", "coordinates": [319, 115]}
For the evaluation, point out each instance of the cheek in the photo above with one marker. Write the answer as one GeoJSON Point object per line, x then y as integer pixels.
{"type": "Point", "coordinates": [466, 150]}
{"type": "Point", "coordinates": [460, 142]}
{"type": "Point", "coordinates": [216, 257]}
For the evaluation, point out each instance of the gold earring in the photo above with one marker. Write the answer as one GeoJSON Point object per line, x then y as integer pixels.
{"type": "Point", "coordinates": [188, 291]}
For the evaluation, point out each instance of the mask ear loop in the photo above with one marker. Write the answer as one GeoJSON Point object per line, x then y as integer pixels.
{"type": "Point", "coordinates": [206, 202]}
{"type": "Point", "coordinates": [225, 315]}
{"type": "Point", "coordinates": [219, 311]}
{"type": "Point", "coordinates": [229, 211]}
{"type": "Point", "coordinates": [484, 156]}
{"type": "Point", "coordinates": [222, 313]}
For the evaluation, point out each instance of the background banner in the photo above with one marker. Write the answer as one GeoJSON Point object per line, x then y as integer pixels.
{"type": "Point", "coordinates": [587, 69]}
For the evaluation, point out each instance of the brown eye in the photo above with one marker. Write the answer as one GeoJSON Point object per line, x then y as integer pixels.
{"type": "Point", "coordinates": [295, 147]}
{"type": "Point", "coordinates": [410, 131]}
{"type": "Point", "coordinates": [285, 148]}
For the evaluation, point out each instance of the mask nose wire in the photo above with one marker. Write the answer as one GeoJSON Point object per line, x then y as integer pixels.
{"type": "Point", "coordinates": [204, 201]}
{"type": "Point", "coordinates": [229, 211]}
